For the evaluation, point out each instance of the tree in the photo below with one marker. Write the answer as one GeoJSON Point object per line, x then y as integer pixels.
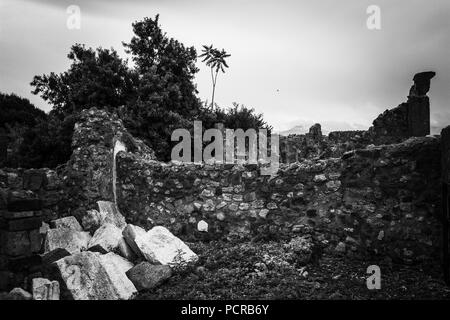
{"type": "Point", "coordinates": [167, 95]}
{"type": "Point", "coordinates": [97, 78]}
{"type": "Point", "coordinates": [215, 59]}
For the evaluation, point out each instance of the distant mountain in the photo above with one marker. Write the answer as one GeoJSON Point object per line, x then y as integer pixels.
{"type": "Point", "coordinates": [327, 126]}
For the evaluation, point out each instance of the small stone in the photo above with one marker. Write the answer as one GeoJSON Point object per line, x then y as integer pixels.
{"type": "Point", "coordinates": [263, 213]}
{"type": "Point", "coordinates": [44, 289]}
{"type": "Point", "coordinates": [320, 178]}
{"type": "Point", "coordinates": [202, 226]}
{"type": "Point", "coordinates": [340, 248]}
{"type": "Point", "coordinates": [220, 216]}
{"type": "Point", "coordinates": [333, 185]}
{"type": "Point", "coordinates": [272, 206]}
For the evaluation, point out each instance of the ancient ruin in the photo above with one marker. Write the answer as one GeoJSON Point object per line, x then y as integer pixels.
{"type": "Point", "coordinates": [114, 220]}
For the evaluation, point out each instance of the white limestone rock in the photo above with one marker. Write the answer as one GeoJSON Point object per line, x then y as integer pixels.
{"type": "Point", "coordinates": [106, 239]}
{"type": "Point", "coordinates": [160, 246]}
{"type": "Point", "coordinates": [71, 240]}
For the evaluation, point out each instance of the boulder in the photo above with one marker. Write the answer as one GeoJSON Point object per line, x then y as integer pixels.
{"type": "Point", "coordinates": [44, 289]}
{"type": "Point", "coordinates": [92, 276]}
{"type": "Point", "coordinates": [106, 239]}
{"type": "Point", "coordinates": [71, 240]}
{"type": "Point", "coordinates": [160, 246]}
{"type": "Point", "coordinates": [148, 276]}
{"type": "Point", "coordinates": [68, 223]}
{"type": "Point", "coordinates": [130, 233]}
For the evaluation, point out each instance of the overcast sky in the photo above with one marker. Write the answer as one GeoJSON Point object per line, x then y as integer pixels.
{"type": "Point", "coordinates": [292, 60]}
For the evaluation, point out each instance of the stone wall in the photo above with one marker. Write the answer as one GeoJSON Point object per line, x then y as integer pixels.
{"type": "Point", "coordinates": [44, 184]}
{"type": "Point", "coordinates": [409, 119]}
{"type": "Point", "coordinates": [380, 200]}
{"type": "Point", "coordinates": [88, 174]}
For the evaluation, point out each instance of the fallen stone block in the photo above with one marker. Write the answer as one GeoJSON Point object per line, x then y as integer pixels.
{"type": "Point", "coordinates": [125, 250]}
{"type": "Point", "coordinates": [92, 276]}
{"type": "Point", "coordinates": [160, 246]}
{"type": "Point", "coordinates": [148, 276]}
{"type": "Point", "coordinates": [54, 255]}
{"type": "Point", "coordinates": [67, 222]}
{"type": "Point", "coordinates": [71, 240]}
{"type": "Point", "coordinates": [44, 289]}
{"type": "Point", "coordinates": [130, 233]}
{"type": "Point", "coordinates": [106, 239]}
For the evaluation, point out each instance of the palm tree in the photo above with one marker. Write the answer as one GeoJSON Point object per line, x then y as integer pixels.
{"type": "Point", "coordinates": [215, 59]}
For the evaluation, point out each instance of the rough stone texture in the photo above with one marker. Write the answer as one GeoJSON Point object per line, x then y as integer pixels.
{"type": "Point", "coordinates": [92, 276]}
{"type": "Point", "coordinates": [159, 246]}
{"type": "Point", "coordinates": [71, 240]}
{"type": "Point", "coordinates": [390, 188]}
{"type": "Point", "coordinates": [92, 220]}
{"type": "Point", "coordinates": [106, 239]}
{"type": "Point", "coordinates": [31, 190]}
{"type": "Point", "coordinates": [148, 276]}
{"type": "Point", "coordinates": [67, 222]}
{"type": "Point", "coordinates": [110, 214]}
{"type": "Point", "coordinates": [130, 233]}
{"type": "Point", "coordinates": [44, 289]}
{"type": "Point", "coordinates": [90, 181]}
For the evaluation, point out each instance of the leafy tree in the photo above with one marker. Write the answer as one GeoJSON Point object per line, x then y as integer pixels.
{"type": "Point", "coordinates": [97, 78]}
{"type": "Point", "coordinates": [215, 59]}
{"type": "Point", "coordinates": [167, 95]}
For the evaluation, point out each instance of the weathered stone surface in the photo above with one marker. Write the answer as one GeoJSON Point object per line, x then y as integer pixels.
{"type": "Point", "coordinates": [111, 215]}
{"type": "Point", "coordinates": [44, 289]}
{"type": "Point", "coordinates": [148, 276]}
{"type": "Point", "coordinates": [130, 233]}
{"type": "Point", "coordinates": [71, 240]}
{"type": "Point", "coordinates": [54, 255]}
{"type": "Point", "coordinates": [106, 239]}
{"type": "Point", "coordinates": [92, 220]}
{"type": "Point", "coordinates": [20, 294]}
{"type": "Point", "coordinates": [98, 277]}
{"type": "Point", "coordinates": [421, 84]}
{"type": "Point", "coordinates": [160, 246]}
{"type": "Point", "coordinates": [68, 223]}
{"type": "Point", "coordinates": [125, 250]}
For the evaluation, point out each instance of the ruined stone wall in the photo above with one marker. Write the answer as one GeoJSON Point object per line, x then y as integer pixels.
{"type": "Point", "coordinates": [43, 184]}
{"type": "Point", "coordinates": [377, 200]}
{"type": "Point", "coordinates": [89, 172]}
